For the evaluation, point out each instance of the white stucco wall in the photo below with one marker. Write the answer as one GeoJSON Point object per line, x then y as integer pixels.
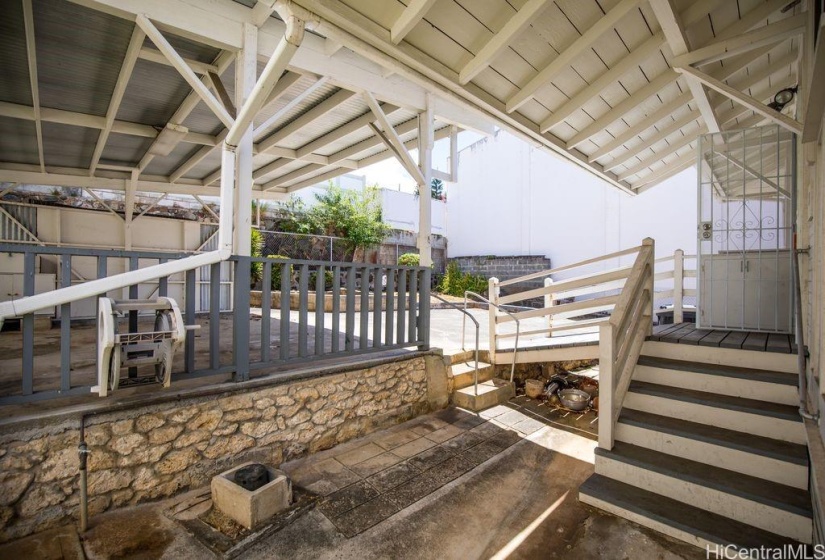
{"type": "Point", "coordinates": [400, 210]}
{"type": "Point", "coordinates": [513, 199]}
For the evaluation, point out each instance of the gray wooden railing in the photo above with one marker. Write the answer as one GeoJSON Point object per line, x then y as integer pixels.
{"type": "Point", "coordinates": [395, 299]}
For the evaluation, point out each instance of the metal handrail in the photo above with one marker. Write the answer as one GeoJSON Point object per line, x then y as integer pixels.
{"type": "Point", "coordinates": [500, 308]}
{"type": "Point", "coordinates": [463, 323]}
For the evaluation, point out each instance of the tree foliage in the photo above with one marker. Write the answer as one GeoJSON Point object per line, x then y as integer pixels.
{"type": "Point", "coordinates": [352, 215]}
{"type": "Point", "coordinates": [436, 190]}
{"type": "Point", "coordinates": [455, 283]}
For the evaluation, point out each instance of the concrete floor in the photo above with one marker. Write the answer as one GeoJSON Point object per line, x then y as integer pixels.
{"type": "Point", "coordinates": [517, 501]}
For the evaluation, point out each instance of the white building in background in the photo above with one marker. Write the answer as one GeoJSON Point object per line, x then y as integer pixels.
{"type": "Point", "coordinates": [514, 199]}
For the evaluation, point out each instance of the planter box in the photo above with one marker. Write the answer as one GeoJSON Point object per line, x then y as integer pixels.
{"type": "Point", "coordinates": [251, 508]}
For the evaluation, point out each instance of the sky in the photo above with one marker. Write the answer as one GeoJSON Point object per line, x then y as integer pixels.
{"type": "Point", "coordinates": [390, 174]}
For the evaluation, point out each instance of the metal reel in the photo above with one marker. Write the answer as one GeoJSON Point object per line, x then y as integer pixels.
{"type": "Point", "coordinates": [164, 321]}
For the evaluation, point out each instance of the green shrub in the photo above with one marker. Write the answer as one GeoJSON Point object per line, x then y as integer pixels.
{"type": "Point", "coordinates": [313, 277]}
{"type": "Point", "coordinates": [276, 271]}
{"type": "Point", "coordinates": [256, 269]}
{"type": "Point", "coordinates": [409, 259]}
{"type": "Point", "coordinates": [455, 283]}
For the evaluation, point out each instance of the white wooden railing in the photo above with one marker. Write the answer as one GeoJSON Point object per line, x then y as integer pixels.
{"type": "Point", "coordinates": [621, 339]}
{"type": "Point", "coordinates": [679, 273]}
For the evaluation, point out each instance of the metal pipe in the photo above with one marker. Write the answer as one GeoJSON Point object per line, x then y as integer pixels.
{"type": "Point", "coordinates": [518, 327]}
{"type": "Point", "coordinates": [463, 323]}
{"type": "Point", "coordinates": [278, 62]}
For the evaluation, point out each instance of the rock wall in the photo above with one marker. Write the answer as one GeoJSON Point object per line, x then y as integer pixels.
{"type": "Point", "coordinates": [156, 451]}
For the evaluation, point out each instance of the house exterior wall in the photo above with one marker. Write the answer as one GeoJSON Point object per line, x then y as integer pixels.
{"type": "Point", "coordinates": [513, 199]}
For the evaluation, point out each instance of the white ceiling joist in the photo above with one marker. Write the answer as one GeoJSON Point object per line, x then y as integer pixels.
{"type": "Point", "coordinates": [663, 133]}
{"type": "Point", "coordinates": [117, 95]}
{"type": "Point", "coordinates": [154, 55]}
{"type": "Point", "coordinates": [746, 100]}
{"type": "Point", "coordinates": [659, 156]}
{"type": "Point", "coordinates": [409, 18]}
{"type": "Point", "coordinates": [665, 78]}
{"type": "Point", "coordinates": [262, 10]}
{"type": "Point", "coordinates": [728, 47]}
{"type": "Point", "coordinates": [501, 40]}
{"type": "Point", "coordinates": [291, 104]}
{"type": "Point", "coordinates": [31, 55]}
{"type": "Point", "coordinates": [184, 70]}
{"type": "Point", "coordinates": [342, 131]}
{"type": "Point", "coordinates": [593, 33]}
{"type": "Point", "coordinates": [816, 90]}
{"type": "Point", "coordinates": [633, 59]}
{"type": "Point", "coordinates": [668, 171]}
{"type": "Point", "coordinates": [326, 106]}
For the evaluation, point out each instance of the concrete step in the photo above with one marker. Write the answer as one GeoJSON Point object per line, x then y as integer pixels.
{"type": "Point", "coordinates": [770, 361]}
{"type": "Point", "coordinates": [769, 459]}
{"type": "Point", "coordinates": [674, 518]}
{"type": "Point", "coordinates": [763, 504]}
{"type": "Point", "coordinates": [760, 418]}
{"type": "Point", "coordinates": [490, 393]}
{"type": "Point", "coordinates": [464, 373]}
{"type": "Point", "coordinates": [749, 383]}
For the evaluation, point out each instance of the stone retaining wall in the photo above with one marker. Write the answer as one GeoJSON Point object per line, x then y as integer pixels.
{"type": "Point", "coordinates": [156, 451]}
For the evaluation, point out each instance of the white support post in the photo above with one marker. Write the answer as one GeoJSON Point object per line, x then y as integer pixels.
{"type": "Point", "coordinates": [245, 77]}
{"type": "Point", "coordinates": [454, 154]}
{"type": "Point", "coordinates": [678, 286]}
{"type": "Point", "coordinates": [548, 303]}
{"type": "Point", "coordinates": [425, 163]}
{"type": "Point", "coordinates": [607, 357]}
{"type": "Point", "coordinates": [492, 294]}
{"type": "Point", "coordinates": [129, 213]}
{"type": "Point", "coordinates": [225, 235]}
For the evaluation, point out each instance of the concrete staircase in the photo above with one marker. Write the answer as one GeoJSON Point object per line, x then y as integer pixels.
{"type": "Point", "coordinates": [709, 450]}
{"type": "Point", "coordinates": [491, 390]}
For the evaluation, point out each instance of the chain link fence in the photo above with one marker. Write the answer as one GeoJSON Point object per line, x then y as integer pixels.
{"type": "Point", "coordinates": [305, 247]}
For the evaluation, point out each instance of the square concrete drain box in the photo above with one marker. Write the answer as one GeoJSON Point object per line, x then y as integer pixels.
{"type": "Point", "coordinates": [251, 508]}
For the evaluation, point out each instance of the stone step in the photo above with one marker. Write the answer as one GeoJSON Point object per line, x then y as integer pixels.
{"type": "Point", "coordinates": [464, 373]}
{"type": "Point", "coordinates": [749, 383]}
{"type": "Point", "coordinates": [674, 518]}
{"type": "Point", "coordinates": [766, 458]}
{"type": "Point", "coordinates": [754, 501]}
{"type": "Point", "coordinates": [490, 393]}
{"type": "Point", "coordinates": [760, 418]}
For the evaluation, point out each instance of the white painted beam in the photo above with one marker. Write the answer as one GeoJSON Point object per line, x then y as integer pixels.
{"type": "Point", "coordinates": [184, 70]}
{"type": "Point", "coordinates": [501, 40]}
{"type": "Point", "coordinates": [31, 56]}
{"type": "Point", "coordinates": [331, 47]}
{"type": "Point", "coordinates": [726, 48]}
{"type": "Point", "coordinates": [409, 18]}
{"type": "Point", "coordinates": [746, 100]}
{"type": "Point", "coordinates": [663, 133]}
{"type": "Point", "coordinates": [426, 139]}
{"type": "Point", "coordinates": [662, 80]}
{"type": "Point", "coordinates": [125, 74]}
{"type": "Point", "coordinates": [390, 137]}
{"type": "Point", "coordinates": [154, 55]}
{"type": "Point", "coordinates": [262, 11]}
{"type": "Point", "coordinates": [593, 33]}
{"type": "Point", "coordinates": [292, 176]}
{"type": "Point", "coordinates": [815, 96]}
{"type": "Point", "coordinates": [665, 173]}
{"type": "Point", "coordinates": [674, 32]}
{"type": "Point", "coordinates": [342, 131]}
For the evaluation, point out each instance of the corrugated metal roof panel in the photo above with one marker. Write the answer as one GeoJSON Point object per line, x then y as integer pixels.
{"type": "Point", "coordinates": [153, 95]}
{"type": "Point", "coordinates": [79, 55]}
{"type": "Point", "coordinates": [123, 149]}
{"type": "Point", "coordinates": [18, 141]}
{"type": "Point", "coordinates": [166, 165]}
{"type": "Point", "coordinates": [352, 108]}
{"type": "Point", "coordinates": [302, 107]}
{"type": "Point", "coordinates": [202, 119]}
{"type": "Point", "coordinates": [68, 146]}
{"type": "Point", "coordinates": [14, 87]}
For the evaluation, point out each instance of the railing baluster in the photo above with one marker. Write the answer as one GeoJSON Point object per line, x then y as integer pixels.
{"type": "Point", "coordinates": [320, 280]}
{"type": "Point", "coordinates": [402, 298]}
{"type": "Point", "coordinates": [240, 308]}
{"type": "Point", "coordinates": [286, 285]}
{"type": "Point", "coordinates": [215, 316]}
{"type": "Point", "coordinates": [102, 271]}
{"type": "Point", "coordinates": [365, 308]}
{"type": "Point", "coordinates": [336, 308]}
{"type": "Point", "coordinates": [413, 306]}
{"type": "Point", "coordinates": [28, 326]}
{"type": "Point", "coordinates": [424, 311]}
{"type": "Point", "coordinates": [303, 310]}
{"type": "Point", "coordinates": [349, 341]}
{"type": "Point", "coordinates": [390, 291]}
{"type": "Point", "coordinates": [65, 326]}
{"type": "Point", "coordinates": [377, 294]}
{"type": "Point", "coordinates": [266, 310]}
{"type": "Point", "coordinates": [134, 264]}
{"type": "Point", "coordinates": [189, 304]}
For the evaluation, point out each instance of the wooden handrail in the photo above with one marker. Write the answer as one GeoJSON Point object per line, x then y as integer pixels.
{"type": "Point", "coordinates": [544, 273]}
{"type": "Point", "coordinates": [564, 286]}
{"type": "Point", "coordinates": [621, 339]}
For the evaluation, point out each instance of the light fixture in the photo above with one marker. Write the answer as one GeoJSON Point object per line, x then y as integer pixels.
{"type": "Point", "coordinates": [782, 98]}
